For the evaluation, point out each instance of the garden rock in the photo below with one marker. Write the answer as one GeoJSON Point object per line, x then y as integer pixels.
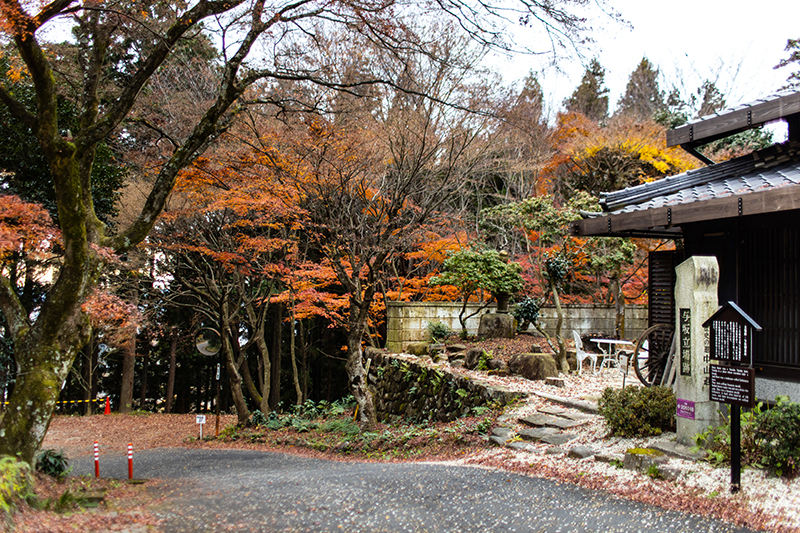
{"type": "Point", "coordinates": [497, 326]}
{"type": "Point", "coordinates": [541, 420]}
{"type": "Point", "coordinates": [536, 434]}
{"type": "Point", "coordinates": [580, 452]}
{"type": "Point", "coordinates": [641, 459]}
{"type": "Point", "coordinates": [533, 366]}
{"type": "Point", "coordinates": [472, 358]}
{"type": "Point", "coordinates": [417, 348]}
{"type": "Point", "coordinates": [521, 446]}
{"type": "Point", "coordinates": [558, 439]}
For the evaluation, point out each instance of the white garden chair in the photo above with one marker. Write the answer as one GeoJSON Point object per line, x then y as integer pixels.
{"type": "Point", "coordinates": [581, 354]}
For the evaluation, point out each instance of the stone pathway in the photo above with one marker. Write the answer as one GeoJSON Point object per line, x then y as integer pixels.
{"type": "Point", "coordinates": [556, 424]}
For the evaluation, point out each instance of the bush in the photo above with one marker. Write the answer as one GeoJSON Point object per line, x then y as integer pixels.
{"type": "Point", "coordinates": [16, 482]}
{"type": "Point", "coordinates": [527, 311]}
{"type": "Point", "coordinates": [53, 463]}
{"type": "Point", "coordinates": [638, 411]}
{"type": "Point", "coordinates": [716, 441]}
{"type": "Point", "coordinates": [258, 418]}
{"type": "Point", "coordinates": [438, 330]}
{"type": "Point", "coordinates": [777, 435]}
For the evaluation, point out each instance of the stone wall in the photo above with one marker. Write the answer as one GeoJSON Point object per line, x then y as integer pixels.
{"type": "Point", "coordinates": [407, 322]}
{"type": "Point", "coordinates": [415, 390]}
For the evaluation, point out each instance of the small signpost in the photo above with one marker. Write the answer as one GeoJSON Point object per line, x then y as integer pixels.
{"type": "Point", "coordinates": [201, 419]}
{"type": "Point", "coordinates": [731, 372]}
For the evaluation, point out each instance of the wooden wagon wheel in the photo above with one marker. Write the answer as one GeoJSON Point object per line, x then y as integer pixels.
{"type": "Point", "coordinates": [651, 362]}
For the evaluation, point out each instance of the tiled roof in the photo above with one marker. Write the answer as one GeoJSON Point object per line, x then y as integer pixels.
{"type": "Point", "coordinates": [762, 100]}
{"type": "Point", "coordinates": [771, 168]}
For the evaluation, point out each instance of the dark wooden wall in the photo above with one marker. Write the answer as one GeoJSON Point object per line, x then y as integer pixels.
{"type": "Point", "coordinates": [759, 261]}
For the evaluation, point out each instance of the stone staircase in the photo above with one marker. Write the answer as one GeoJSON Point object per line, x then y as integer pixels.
{"type": "Point", "coordinates": [557, 424]}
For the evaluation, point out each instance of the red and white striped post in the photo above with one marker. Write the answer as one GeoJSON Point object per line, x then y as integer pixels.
{"type": "Point", "coordinates": [130, 461]}
{"type": "Point", "coordinates": [96, 459]}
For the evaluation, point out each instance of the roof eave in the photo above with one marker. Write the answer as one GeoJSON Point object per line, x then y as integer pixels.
{"type": "Point", "coordinates": [669, 219]}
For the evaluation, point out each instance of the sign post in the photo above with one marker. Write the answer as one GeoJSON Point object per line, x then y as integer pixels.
{"type": "Point", "coordinates": [201, 419]}
{"type": "Point", "coordinates": [731, 372]}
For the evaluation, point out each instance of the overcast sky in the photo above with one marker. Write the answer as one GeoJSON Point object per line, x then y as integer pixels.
{"type": "Point", "coordinates": [735, 41]}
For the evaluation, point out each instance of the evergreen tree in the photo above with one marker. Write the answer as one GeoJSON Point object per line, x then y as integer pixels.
{"type": "Point", "coordinates": [591, 96]}
{"type": "Point", "coordinates": [793, 47]}
{"type": "Point", "coordinates": [642, 99]}
{"type": "Point", "coordinates": [711, 99]}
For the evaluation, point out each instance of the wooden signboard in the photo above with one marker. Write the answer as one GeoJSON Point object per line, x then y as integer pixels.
{"type": "Point", "coordinates": [732, 378]}
{"type": "Point", "coordinates": [733, 385]}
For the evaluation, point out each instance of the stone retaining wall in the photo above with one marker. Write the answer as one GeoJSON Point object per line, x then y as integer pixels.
{"type": "Point", "coordinates": [415, 390]}
{"type": "Point", "coordinates": [407, 322]}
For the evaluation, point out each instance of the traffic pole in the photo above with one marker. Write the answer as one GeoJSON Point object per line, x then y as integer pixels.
{"type": "Point", "coordinates": [96, 459]}
{"type": "Point", "coordinates": [130, 461]}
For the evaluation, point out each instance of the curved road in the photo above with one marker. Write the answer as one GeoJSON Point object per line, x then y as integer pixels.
{"type": "Point", "coordinates": [235, 490]}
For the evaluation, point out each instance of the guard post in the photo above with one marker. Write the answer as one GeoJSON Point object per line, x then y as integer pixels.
{"type": "Point", "coordinates": [731, 372]}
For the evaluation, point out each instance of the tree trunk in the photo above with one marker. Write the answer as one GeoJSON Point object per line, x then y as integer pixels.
{"type": "Point", "coordinates": [357, 379]}
{"type": "Point", "coordinates": [561, 356]}
{"type": "Point", "coordinates": [143, 379]}
{"type": "Point", "coordinates": [275, 362]}
{"type": "Point", "coordinates": [303, 358]}
{"type": "Point", "coordinates": [173, 349]}
{"type": "Point", "coordinates": [615, 288]}
{"type": "Point", "coordinates": [88, 375]}
{"type": "Point", "coordinates": [128, 367]}
{"type": "Point", "coordinates": [234, 378]}
{"type": "Point", "coordinates": [293, 356]}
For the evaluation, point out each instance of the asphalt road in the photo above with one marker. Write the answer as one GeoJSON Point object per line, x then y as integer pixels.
{"type": "Point", "coordinates": [235, 490]}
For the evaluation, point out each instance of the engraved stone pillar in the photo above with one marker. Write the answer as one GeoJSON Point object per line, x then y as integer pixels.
{"type": "Point", "coordinates": [696, 300]}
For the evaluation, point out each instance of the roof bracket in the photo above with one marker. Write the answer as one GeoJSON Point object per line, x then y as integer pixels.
{"type": "Point", "coordinates": [669, 216]}
{"type": "Point", "coordinates": [740, 206]}
{"type": "Point", "coordinates": [691, 132]}
{"type": "Point", "coordinates": [749, 117]}
{"type": "Point", "coordinates": [609, 224]}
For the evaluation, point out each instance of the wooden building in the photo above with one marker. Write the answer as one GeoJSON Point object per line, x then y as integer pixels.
{"type": "Point", "coordinates": [746, 212]}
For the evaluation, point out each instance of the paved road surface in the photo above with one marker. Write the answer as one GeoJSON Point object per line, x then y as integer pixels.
{"type": "Point", "coordinates": [234, 490]}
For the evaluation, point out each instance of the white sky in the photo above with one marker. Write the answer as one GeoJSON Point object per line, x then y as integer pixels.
{"type": "Point", "coordinates": [687, 40]}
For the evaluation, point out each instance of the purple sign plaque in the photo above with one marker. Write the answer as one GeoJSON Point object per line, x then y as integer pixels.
{"type": "Point", "coordinates": [685, 409]}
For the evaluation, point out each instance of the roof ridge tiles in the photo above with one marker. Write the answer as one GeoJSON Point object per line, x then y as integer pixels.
{"type": "Point", "coordinates": [759, 160]}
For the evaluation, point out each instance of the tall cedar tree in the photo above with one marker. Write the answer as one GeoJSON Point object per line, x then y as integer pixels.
{"type": "Point", "coordinates": [590, 98]}
{"type": "Point", "coordinates": [642, 98]}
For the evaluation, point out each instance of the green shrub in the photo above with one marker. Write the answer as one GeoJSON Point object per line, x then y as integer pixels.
{"type": "Point", "coordinates": [527, 311]}
{"type": "Point", "coordinates": [16, 482]}
{"type": "Point", "coordinates": [638, 411]}
{"type": "Point", "coordinates": [53, 463]}
{"type": "Point", "coordinates": [716, 441]}
{"type": "Point", "coordinates": [777, 435]}
{"type": "Point", "coordinates": [258, 418]}
{"type": "Point", "coordinates": [438, 330]}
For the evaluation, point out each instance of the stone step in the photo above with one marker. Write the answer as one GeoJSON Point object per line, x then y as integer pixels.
{"type": "Point", "coordinates": [561, 412]}
{"type": "Point", "coordinates": [543, 420]}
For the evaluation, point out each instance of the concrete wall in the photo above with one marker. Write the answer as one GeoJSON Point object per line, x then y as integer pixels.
{"type": "Point", "coordinates": [407, 322]}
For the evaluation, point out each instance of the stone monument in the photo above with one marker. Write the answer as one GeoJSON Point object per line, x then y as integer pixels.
{"type": "Point", "coordinates": [696, 299]}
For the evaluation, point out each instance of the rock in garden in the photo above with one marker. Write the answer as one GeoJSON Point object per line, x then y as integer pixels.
{"type": "Point", "coordinates": [497, 326]}
{"type": "Point", "coordinates": [533, 366]}
{"type": "Point", "coordinates": [641, 459]}
{"type": "Point", "coordinates": [580, 452]}
{"type": "Point", "coordinates": [472, 358]}
{"type": "Point", "coordinates": [417, 348]}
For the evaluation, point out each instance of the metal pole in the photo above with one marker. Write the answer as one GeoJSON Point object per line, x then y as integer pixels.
{"type": "Point", "coordinates": [130, 461]}
{"type": "Point", "coordinates": [96, 459]}
{"type": "Point", "coordinates": [218, 394]}
{"type": "Point", "coordinates": [736, 449]}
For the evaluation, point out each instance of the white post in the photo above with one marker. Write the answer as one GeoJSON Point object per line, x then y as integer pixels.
{"type": "Point", "coordinates": [695, 299]}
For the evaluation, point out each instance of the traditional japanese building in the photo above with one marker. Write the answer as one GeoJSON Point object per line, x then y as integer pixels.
{"type": "Point", "coordinates": [746, 213]}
